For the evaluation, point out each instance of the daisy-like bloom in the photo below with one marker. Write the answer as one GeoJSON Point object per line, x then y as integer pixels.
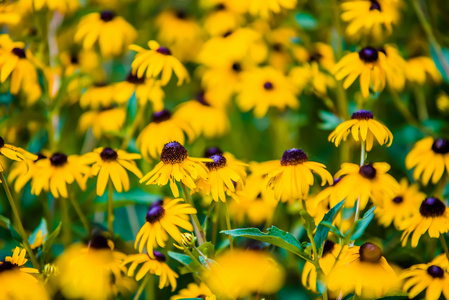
{"type": "Point", "coordinates": [265, 9]}
{"type": "Point", "coordinates": [162, 130]}
{"type": "Point", "coordinates": [281, 46]}
{"type": "Point", "coordinates": [111, 32]}
{"type": "Point", "coordinates": [310, 77]}
{"type": "Point", "coordinates": [18, 260]}
{"type": "Point", "coordinates": [369, 63]}
{"type": "Point", "coordinates": [203, 118]}
{"type": "Point", "coordinates": [163, 219]}
{"type": "Point", "coordinates": [157, 60]}
{"type": "Point", "coordinates": [240, 273]}
{"type": "Point", "coordinates": [103, 121]}
{"type": "Point", "coordinates": [223, 16]}
{"type": "Point", "coordinates": [54, 173]}
{"type": "Point", "coordinates": [432, 277]}
{"type": "Point", "coordinates": [292, 179]}
{"type": "Point", "coordinates": [264, 88]}
{"type": "Point", "coordinates": [22, 172]}
{"type": "Point", "coordinates": [319, 53]}
{"type": "Point", "coordinates": [370, 181]}
{"type": "Point", "coordinates": [370, 16]}
{"type": "Point", "coordinates": [112, 164]}
{"type": "Point", "coordinates": [15, 153]}
{"type": "Point", "coordinates": [152, 265]}
{"type": "Point", "coordinates": [62, 6]}
{"type": "Point", "coordinates": [433, 217]}
{"type": "Point", "coordinates": [401, 207]}
{"type": "Point", "coordinates": [147, 90]}
{"type": "Point", "coordinates": [225, 174]}
{"type": "Point", "coordinates": [364, 271]}
{"type": "Point", "coordinates": [418, 69]}
{"type": "Point", "coordinates": [176, 166]}
{"type": "Point", "coordinates": [364, 128]}
{"type": "Point", "coordinates": [194, 290]}
{"type": "Point", "coordinates": [97, 96]}
{"type": "Point", "coordinates": [396, 65]}
{"type": "Point", "coordinates": [430, 158]}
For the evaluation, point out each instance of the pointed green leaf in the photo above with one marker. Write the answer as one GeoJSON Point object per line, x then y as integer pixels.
{"type": "Point", "coordinates": [182, 258]}
{"type": "Point", "coordinates": [322, 230]}
{"type": "Point", "coordinates": [46, 248]}
{"type": "Point", "coordinates": [5, 222]}
{"type": "Point", "coordinates": [363, 223]}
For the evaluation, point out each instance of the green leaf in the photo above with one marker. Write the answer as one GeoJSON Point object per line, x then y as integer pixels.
{"type": "Point", "coordinates": [330, 121]}
{"type": "Point", "coordinates": [274, 236]}
{"type": "Point", "coordinates": [46, 248]}
{"type": "Point", "coordinates": [306, 21]}
{"type": "Point", "coordinates": [208, 249]}
{"type": "Point", "coordinates": [5, 222]}
{"type": "Point", "coordinates": [182, 258]}
{"type": "Point", "coordinates": [42, 227]}
{"type": "Point", "coordinates": [310, 222]}
{"type": "Point", "coordinates": [323, 230]}
{"type": "Point", "coordinates": [363, 223]}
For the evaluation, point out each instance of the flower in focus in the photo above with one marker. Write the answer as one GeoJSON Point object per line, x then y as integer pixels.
{"type": "Point", "coordinates": [418, 69]}
{"type": "Point", "coordinates": [292, 179]}
{"type": "Point", "coordinates": [103, 122]}
{"type": "Point", "coordinates": [429, 157]}
{"type": "Point", "coordinates": [163, 129]}
{"type": "Point", "coordinates": [240, 273]}
{"type": "Point", "coordinates": [362, 127]}
{"type": "Point", "coordinates": [433, 218]}
{"type": "Point", "coordinates": [163, 219]}
{"type": "Point", "coordinates": [265, 9]}
{"type": "Point", "coordinates": [370, 181]}
{"type": "Point", "coordinates": [18, 260]}
{"type": "Point", "coordinates": [112, 33]}
{"type": "Point", "coordinates": [364, 271]}
{"type": "Point", "coordinates": [176, 166]}
{"type": "Point", "coordinates": [154, 264]}
{"type": "Point", "coordinates": [264, 88]}
{"type": "Point", "coordinates": [401, 207]}
{"type": "Point", "coordinates": [157, 60]}
{"type": "Point", "coordinates": [98, 96]}
{"type": "Point", "coordinates": [194, 290]}
{"type": "Point", "coordinates": [111, 164]}
{"type": "Point", "coordinates": [22, 172]}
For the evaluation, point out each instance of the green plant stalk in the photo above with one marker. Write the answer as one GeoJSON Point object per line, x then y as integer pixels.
{"type": "Point", "coordinates": [141, 287]}
{"type": "Point", "coordinates": [228, 224]}
{"type": "Point", "coordinates": [150, 289]}
{"type": "Point", "coordinates": [362, 162]}
{"type": "Point", "coordinates": [80, 214]}
{"type": "Point", "coordinates": [16, 215]}
{"type": "Point", "coordinates": [47, 214]}
{"type": "Point", "coordinates": [66, 223]}
{"type": "Point", "coordinates": [208, 216]}
{"type": "Point", "coordinates": [110, 208]}
{"type": "Point", "coordinates": [199, 231]}
{"type": "Point", "coordinates": [215, 221]}
{"type": "Point", "coordinates": [444, 245]}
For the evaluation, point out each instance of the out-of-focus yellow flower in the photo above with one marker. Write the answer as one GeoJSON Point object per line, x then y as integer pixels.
{"type": "Point", "coordinates": [62, 6]}
{"type": "Point", "coordinates": [38, 240]}
{"type": "Point", "coordinates": [265, 9]}
{"type": "Point", "coordinates": [103, 121]}
{"type": "Point", "coordinates": [309, 76]}
{"type": "Point", "coordinates": [100, 95]}
{"type": "Point", "coordinates": [18, 260]}
{"type": "Point", "coordinates": [418, 69]}
{"type": "Point", "coordinates": [280, 44]}
{"type": "Point", "coordinates": [443, 103]}
{"type": "Point", "coordinates": [397, 66]}
{"type": "Point", "coordinates": [22, 172]}
{"type": "Point", "coordinates": [224, 16]}
{"type": "Point", "coordinates": [240, 273]}
{"type": "Point", "coordinates": [194, 290]}
{"type": "Point", "coordinates": [9, 14]}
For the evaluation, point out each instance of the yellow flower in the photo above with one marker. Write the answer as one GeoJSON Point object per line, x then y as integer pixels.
{"type": "Point", "coordinates": [362, 127]}
{"type": "Point", "coordinates": [103, 121]}
{"type": "Point", "coordinates": [152, 265]}
{"type": "Point", "coordinates": [429, 157]}
{"type": "Point", "coordinates": [176, 166]}
{"type": "Point", "coordinates": [433, 217]}
{"type": "Point", "coordinates": [54, 173]}
{"type": "Point", "coordinates": [147, 90]}
{"type": "Point", "coordinates": [15, 153]}
{"type": "Point", "coordinates": [163, 129]}
{"type": "Point", "coordinates": [240, 273]}
{"type": "Point", "coordinates": [364, 271]}
{"type": "Point", "coordinates": [370, 17]}
{"type": "Point", "coordinates": [265, 9]}
{"type": "Point", "coordinates": [194, 290]}
{"type": "Point", "coordinates": [432, 277]}
{"type": "Point", "coordinates": [157, 60]}
{"type": "Point", "coordinates": [62, 6]}
{"type": "Point", "coordinates": [225, 173]}
{"type": "Point", "coordinates": [322, 202]}
{"type": "Point", "coordinates": [38, 240]}
{"type": "Point", "coordinates": [370, 64]}
{"type": "Point", "coordinates": [223, 16]}
{"type": "Point", "coordinates": [111, 164]}
{"type": "Point", "coordinates": [9, 15]}
{"type": "Point", "coordinates": [292, 179]}
{"type": "Point", "coordinates": [98, 96]}
{"type": "Point", "coordinates": [319, 53]}
{"type": "Point", "coordinates": [112, 33]}
{"type": "Point", "coordinates": [280, 44]}
{"type": "Point", "coordinates": [18, 260]}
{"type": "Point", "coordinates": [397, 66]}
{"type": "Point", "coordinates": [203, 118]}
{"type": "Point", "coordinates": [443, 103]}
{"type": "Point", "coordinates": [163, 219]}
{"type": "Point", "coordinates": [418, 69]}
{"type": "Point", "coordinates": [310, 76]}
{"type": "Point", "coordinates": [401, 207]}
{"type": "Point", "coordinates": [370, 181]}
{"type": "Point", "coordinates": [264, 88]}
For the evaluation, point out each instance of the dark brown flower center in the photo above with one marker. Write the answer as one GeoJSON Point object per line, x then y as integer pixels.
{"type": "Point", "coordinates": [131, 78]}
{"type": "Point", "coordinates": [370, 253]}
{"type": "Point", "coordinates": [293, 157]}
{"type": "Point", "coordinates": [107, 15]}
{"type": "Point", "coordinates": [7, 266]}
{"type": "Point", "coordinates": [19, 52]}
{"type": "Point", "coordinates": [375, 5]}
{"type": "Point", "coordinates": [435, 271]}
{"type": "Point", "coordinates": [315, 56]}
{"type": "Point", "coordinates": [227, 33]}
{"type": "Point", "coordinates": [368, 171]}
{"type": "Point", "coordinates": [2, 142]}
{"type": "Point", "coordinates": [369, 54]}
{"type": "Point", "coordinates": [336, 180]}
{"type": "Point", "coordinates": [108, 154]}
{"type": "Point", "coordinates": [155, 213]}
{"type": "Point", "coordinates": [432, 207]}
{"type": "Point", "coordinates": [268, 86]}
{"type": "Point", "coordinates": [201, 297]}
{"type": "Point", "coordinates": [99, 241]}
{"type": "Point", "coordinates": [159, 256]}
{"type": "Point", "coordinates": [173, 153]}
{"type": "Point", "coordinates": [237, 67]}
{"type": "Point", "coordinates": [219, 7]}
{"type": "Point", "coordinates": [163, 50]}
{"type": "Point", "coordinates": [219, 161]}
{"type": "Point", "coordinates": [398, 200]}
{"type": "Point", "coordinates": [440, 146]}
{"type": "Point", "coordinates": [277, 47]}
{"type": "Point", "coordinates": [212, 151]}
{"type": "Point", "coordinates": [58, 159]}
{"type": "Point", "coordinates": [74, 60]}
{"type": "Point", "coordinates": [161, 116]}
{"type": "Point", "coordinates": [201, 99]}
{"type": "Point", "coordinates": [180, 14]}
{"type": "Point", "coordinates": [362, 115]}
{"type": "Point", "coordinates": [328, 247]}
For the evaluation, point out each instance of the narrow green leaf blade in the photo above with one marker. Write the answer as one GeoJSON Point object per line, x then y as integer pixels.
{"type": "Point", "coordinates": [182, 258]}
{"type": "Point", "coordinates": [363, 223]}
{"type": "Point", "coordinates": [5, 222]}
{"type": "Point", "coordinates": [322, 231]}
{"type": "Point", "coordinates": [46, 248]}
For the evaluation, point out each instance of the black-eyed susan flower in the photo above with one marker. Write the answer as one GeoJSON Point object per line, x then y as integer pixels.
{"type": "Point", "coordinates": [162, 220]}
{"type": "Point", "coordinates": [280, 44]}
{"type": "Point", "coordinates": [364, 128]}
{"type": "Point", "coordinates": [151, 265]}
{"type": "Point", "coordinates": [264, 88]}
{"type": "Point", "coordinates": [318, 53]}
{"type": "Point", "coordinates": [364, 271]}
{"type": "Point", "coordinates": [18, 260]}
{"type": "Point", "coordinates": [370, 181]}
{"type": "Point", "coordinates": [15, 153]}
{"type": "Point", "coordinates": [176, 166]}
{"type": "Point", "coordinates": [97, 96]}
{"type": "Point", "coordinates": [204, 119]}
{"type": "Point", "coordinates": [419, 69]}
{"type": "Point", "coordinates": [103, 121]}
{"type": "Point", "coordinates": [310, 77]}
{"type": "Point", "coordinates": [225, 173]}
{"type": "Point", "coordinates": [223, 16]}
{"type": "Point", "coordinates": [265, 9]}
{"type": "Point", "coordinates": [240, 273]}
{"type": "Point", "coordinates": [157, 60]}
{"type": "Point", "coordinates": [396, 64]}
{"type": "Point", "coordinates": [291, 180]}
{"type": "Point", "coordinates": [430, 158]}
{"type": "Point", "coordinates": [108, 163]}
{"type": "Point", "coordinates": [369, 64]}
{"type": "Point", "coordinates": [327, 198]}
{"type": "Point", "coordinates": [54, 173]}
{"type": "Point", "coordinates": [433, 218]}
{"type": "Point", "coordinates": [164, 128]}
{"type": "Point", "coordinates": [111, 32]}
{"type": "Point", "coordinates": [194, 290]}
{"type": "Point", "coordinates": [22, 172]}
{"type": "Point", "coordinates": [401, 207]}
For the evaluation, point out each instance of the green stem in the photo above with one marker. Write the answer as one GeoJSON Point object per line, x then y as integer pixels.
{"type": "Point", "coordinates": [444, 245]}
{"type": "Point", "coordinates": [215, 224]}
{"type": "Point", "coordinates": [206, 222]}
{"type": "Point", "coordinates": [110, 208]}
{"type": "Point", "coordinates": [421, 105]}
{"type": "Point", "coordinates": [150, 289]}
{"type": "Point", "coordinates": [142, 287]}
{"type": "Point", "coordinates": [81, 215]}
{"type": "Point", "coordinates": [66, 223]}
{"type": "Point", "coordinates": [199, 232]}
{"type": "Point", "coordinates": [21, 230]}
{"type": "Point", "coordinates": [228, 224]}
{"type": "Point", "coordinates": [362, 162]}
